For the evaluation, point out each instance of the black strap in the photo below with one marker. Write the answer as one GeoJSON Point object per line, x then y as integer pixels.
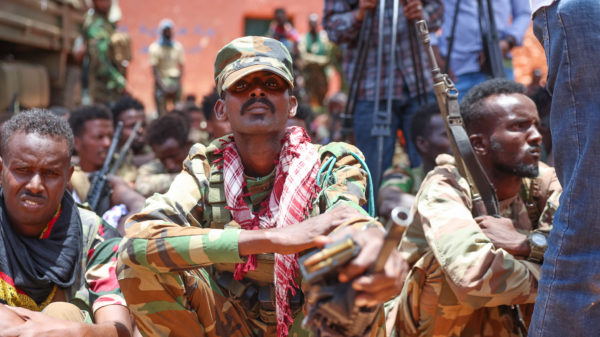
{"type": "Point", "coordinates": [451, 37]}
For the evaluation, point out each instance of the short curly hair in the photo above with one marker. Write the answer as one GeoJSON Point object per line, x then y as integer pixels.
{"type": "Point", "coordinates": [86, 113]}
{"type": "Point", "coordinates": [472, 107]}
{"type": "Point", "coordinates": [123, 104]}
{"type": "Point", "coordinates": [171, 125]}
{"type": "Point", "coordinates": [38, 121]}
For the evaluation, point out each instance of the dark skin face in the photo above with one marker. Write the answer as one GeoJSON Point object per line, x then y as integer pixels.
{"type": "Point", "coordinates": [129, 118]}
{"type": "Point", "coordinates": [256, 104]}
{"type": "Point", "coordinates": [93, 143]}
{"type": "Point", "coordinates": [511, 147]}
{"type": "Point", "coordinates": [102, 6]}
{"type": "Point", "coordinates": [171, 154]}
{"type": "Point", "coordinates": [35, 171]}
{"type": "Point", "coordinates": [434, 143]}
{"type": "Point", "coordinates": [167, 33]}
{"type": "Point", "coordinates": [257, 108]}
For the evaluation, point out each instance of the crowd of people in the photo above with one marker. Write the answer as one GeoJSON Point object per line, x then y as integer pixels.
{"type": "Point", "coordinates": [200, 215]}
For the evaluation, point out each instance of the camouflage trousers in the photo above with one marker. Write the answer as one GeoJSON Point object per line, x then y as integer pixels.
{"type": "Point", "coordinates": [188, 303]}
{"type": "Point", "coordinates": [428, 307]}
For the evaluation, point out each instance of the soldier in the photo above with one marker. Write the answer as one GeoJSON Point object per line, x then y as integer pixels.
{"type": "Point", "coordinates": [46, 240]}
{"type": "Point", "coordinates": [216, 254]}
{"type": "Point", "coordinates": [105, 82]}
{"type": "Point", "coordinates": [166, 58]}
{"type": "Point", "coordinates": [130, 111]}
{"type": "Point", "coordinates": [93, 130]}
{"type": "Point", "coordinates": [315, 53]}
{"type": "Point", "coordinates": [400, 183]}
{"type": "Point", "coordinates": [466, 271]}
{"type": "Point", "coordinates": [169, 141]}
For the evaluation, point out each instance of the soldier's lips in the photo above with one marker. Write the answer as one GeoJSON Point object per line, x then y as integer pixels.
{"type": "Point", "coordinates": [32, 202]}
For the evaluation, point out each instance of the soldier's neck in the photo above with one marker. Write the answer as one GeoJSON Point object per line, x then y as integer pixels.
{"type": "Point", "coordinates": [259, 153]}
{"type": "Point", "coordinates": [507, 186]}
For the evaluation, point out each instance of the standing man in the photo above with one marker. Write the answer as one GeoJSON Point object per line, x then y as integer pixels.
{"type": "Point", "coordinates": [568, 30]}
{"type": "Point", "coordinates": [467, 56]}
{"type": "Point", "coordinates": [467, 271]}
{"type": "Point", "coordinates": [282, 30]}
{"type": "Point", "coordinates": [166, 58]}
{"type": "Point", "coordinates": [342, 19]}
{"type": "Point", "coordinates": [315, 53]}
{"type": "Point", "coordinates": [105, 82]}
{"type": "Point", "coordinates": [216, 254]}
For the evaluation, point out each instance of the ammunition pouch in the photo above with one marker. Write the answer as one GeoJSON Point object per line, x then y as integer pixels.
{"type": "Point", "coordinates": [257, 301]}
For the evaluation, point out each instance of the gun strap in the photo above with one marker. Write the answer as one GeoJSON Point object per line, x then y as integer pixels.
{"type": "Point", "coordinates": [451, 37]}
{"type": "Point", "coordinates": [466, 161]}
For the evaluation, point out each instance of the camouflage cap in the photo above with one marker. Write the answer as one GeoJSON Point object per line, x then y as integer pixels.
{"type": "Point", "coordinates": [249, 54]}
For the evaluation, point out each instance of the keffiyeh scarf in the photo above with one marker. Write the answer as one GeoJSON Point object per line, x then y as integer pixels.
{"type": "Point", "coordinates": [294, 188]}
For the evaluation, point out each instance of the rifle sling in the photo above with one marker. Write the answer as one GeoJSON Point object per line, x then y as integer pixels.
{"type": "Point", "coordinates": [472, 169]}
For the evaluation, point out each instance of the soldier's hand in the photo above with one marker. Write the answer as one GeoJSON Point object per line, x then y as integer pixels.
{"type": "Point", "coordinates": [375, 288]}
{"type": "Point", "coordinates": [503, 234]}
{"type": "Point", "coordinates": [297, 237]}
{"type": "Point", "coordinates": [413, 9]}
{"type": "Point", "coordinates": [8, 318]}
{"type": "Point", "coordinates": [38, 324]}
{"type": "Point", "coordinates": [363, 5]}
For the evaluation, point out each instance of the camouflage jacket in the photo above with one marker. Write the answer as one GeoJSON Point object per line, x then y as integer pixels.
{"type": "Point", "coordinates": [153, 178]}
{"type": "Point", "coordinates": [403, 178]}
{"type": "Point", "coordinates": [98, 286]}
{"type": "Point", "coordinates": [105, 80]}
{"type": "Point", "coordinates": [189, 228]}
{"type": "Point", "coordinates": [458, 279]}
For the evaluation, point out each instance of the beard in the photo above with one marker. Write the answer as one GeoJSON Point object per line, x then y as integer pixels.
{"type": "Point", "coordinates": [519, 169]}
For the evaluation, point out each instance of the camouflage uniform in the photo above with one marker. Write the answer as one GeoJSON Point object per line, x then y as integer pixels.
{"type": "Point", "coordinates": [98, 287]}
{"type": "Point", "coordinates": [170, 274]}
{"type": "Point", "coordinates": [458, 279]}
{"type": "Point", "coordinates": [105, 81]}
{"type": "Point", "coordinates": [315, 54]}
{"type": "Point", "coordinates": [406, 179]}
{"type": "Point", "coordinates": [153, 177]}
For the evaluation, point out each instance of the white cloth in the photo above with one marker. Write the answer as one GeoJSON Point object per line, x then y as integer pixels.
{"type": "Point", "coordinates": [537, 4]}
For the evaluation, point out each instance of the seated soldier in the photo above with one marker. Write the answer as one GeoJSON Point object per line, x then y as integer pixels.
{"type": "Point", "coordinates": [468, 269]}
{"type": "Point", "coordinates": [93, 131]}
{"type": "Point", "coordinates": [167, 135]}
{"type": "Point", "coordinates": [130, 111]}
{"type": "Point", "coordinates": [400, 183]}
{"type": "Point", "coordinates": [217, 254]}
{"type": "Point", "coordinates": [46, 240]}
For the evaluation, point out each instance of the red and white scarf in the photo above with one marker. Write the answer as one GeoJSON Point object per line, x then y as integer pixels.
{"type": "Point", "coordinates": [290, 200]}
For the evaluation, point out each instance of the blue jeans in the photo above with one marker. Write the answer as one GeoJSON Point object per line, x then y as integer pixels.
{"type": "Point", "coordinates": [467, 81]}
{"type": "Point", "coordinates": [568, 302]}
{"type": "Point", "coordinates": [402, 112]}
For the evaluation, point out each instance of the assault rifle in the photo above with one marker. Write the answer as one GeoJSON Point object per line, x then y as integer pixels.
{"type": "Point", "coordinates": [485, 200]}
{"type": "Point", "coordinates": [331, 304]}
{"type": "Point", "coordinates": [99, 186]}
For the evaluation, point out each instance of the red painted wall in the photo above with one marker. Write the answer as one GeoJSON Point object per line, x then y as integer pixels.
{"type": "Point", "coordinates": [202, 27]}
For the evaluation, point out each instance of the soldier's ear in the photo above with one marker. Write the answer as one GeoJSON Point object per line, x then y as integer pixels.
{"type": "Point", "coordinates": [293, 107]}
{"type": "Point", "coordinates": [422, 144]}
{"type": "Point", "coordinates": [220, 110]}
{"type": "Point", "coordinates": [480, 144]}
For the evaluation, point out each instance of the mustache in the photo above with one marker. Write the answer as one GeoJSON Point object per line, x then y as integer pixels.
{"type": "Point", "coordinates": [33, 195]}
{"type": "Point", "coordinates": [253, 100]}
